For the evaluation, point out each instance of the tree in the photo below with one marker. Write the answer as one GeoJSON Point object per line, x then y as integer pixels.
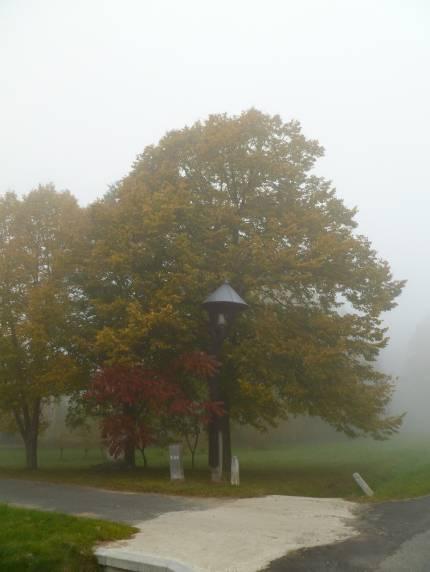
{"type": "Point", "coordinates": [413, 392]}
{"type": "Point", "coordinates": [189, 421]}
{"type": "Point", "coordinates": [236, 198]}
{"type": "Point", "coordinates": [136, 404]}
{"type": "Point", "coordinates": [129, 400]}
{"type": "Point", "coordinates": [39, 309]}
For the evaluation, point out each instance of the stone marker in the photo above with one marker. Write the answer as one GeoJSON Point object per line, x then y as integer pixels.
{"type": "Point", "coordinates": [176, 466]}
{"type": "Point", "coordinates": [362, 484]}
{"type": "Point", "coordinates": [235, 480]}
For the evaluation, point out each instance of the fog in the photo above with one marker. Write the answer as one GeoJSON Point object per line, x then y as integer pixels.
{"type": "Point", "coordinates": [85, 86]}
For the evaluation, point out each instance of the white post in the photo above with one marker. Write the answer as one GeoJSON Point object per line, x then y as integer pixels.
{"type": "Point", "coordinates": [235, 479]}
{"type": "Point", "coordinates": [176, 466]}
{"type": "Point", "coordinates": [362, 484]}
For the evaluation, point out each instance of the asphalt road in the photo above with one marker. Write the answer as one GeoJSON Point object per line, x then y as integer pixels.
{"type": "Point", "coordinates": [394, 537]}
{"type": "Point", "coordinates": [109, 505]}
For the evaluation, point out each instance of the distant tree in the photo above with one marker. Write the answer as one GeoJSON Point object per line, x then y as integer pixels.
{"type": "Point", "coordinates": [236, 198]}
{"type": "Point", "coordinates": [413, 392]}
{"type": "Point", "coordinates": [39, 306]}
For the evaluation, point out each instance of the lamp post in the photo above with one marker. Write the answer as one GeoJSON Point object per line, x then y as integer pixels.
{"type": "Point", "coordinates": [222, 306]}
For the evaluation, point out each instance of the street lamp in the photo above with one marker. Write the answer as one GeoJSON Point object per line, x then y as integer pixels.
{"type": "Point", "coordinates": [222, 306]}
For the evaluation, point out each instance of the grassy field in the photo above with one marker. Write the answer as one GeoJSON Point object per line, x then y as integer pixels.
{"type": "Point", "coordinates": [33, 541]}
{"type": "Point", "coordinates": [398, 468]}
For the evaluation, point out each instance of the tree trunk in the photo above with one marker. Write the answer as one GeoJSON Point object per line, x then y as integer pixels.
{"type": "Point", "coordinates": [27, 420]}
{"type": "Point", "coordinates": [226, 443]}
{"type": "Point", "coordinates": [213, 444]}
{"type": "Point", "coordinates": [30, 442]}
{"type": "Point", "coordinates": [129, 446]}
{"type": "Point", "coordinates": [130, 455]}
{"type": "Point", "coordinates": [193, 447]}
{"type": "Point", "coordinates": [214, 395]}
{"type": "Point", "coordinates": [144, 457]}
{"type": "Point", "coordinates": [214, 423]}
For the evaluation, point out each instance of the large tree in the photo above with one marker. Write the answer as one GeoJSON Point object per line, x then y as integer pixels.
{"type": "Point", "coordinates": [236, 198]}
{"type": "Point", "coordinates": [40, 316]}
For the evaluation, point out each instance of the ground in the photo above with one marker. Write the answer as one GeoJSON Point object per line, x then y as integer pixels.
{"type": "Point", "coordinates": [398, 468]}
{"type": "Point", "coordinates": [33, 541]}
{"type": "Point", "coordinates": [240, 535]}
{"type": "Point", "coordinates": [243, 535]}
{"type": "Point", "coordinates": [216, 535]}
{"type": "Point", "coordinates": [392, 537]}
{"type": "Point", "coordinates": [374, 535]}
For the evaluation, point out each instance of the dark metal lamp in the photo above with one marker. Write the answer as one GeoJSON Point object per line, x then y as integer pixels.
{"type": "Point", "coordinates": [223, 305]}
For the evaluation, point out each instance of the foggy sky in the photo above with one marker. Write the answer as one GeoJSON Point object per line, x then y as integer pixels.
{"type": "Point", "coordinates": [86, 85]}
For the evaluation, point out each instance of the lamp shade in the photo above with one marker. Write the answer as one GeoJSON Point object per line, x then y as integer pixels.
{"type": "Point", "coordinates": [224, 299]}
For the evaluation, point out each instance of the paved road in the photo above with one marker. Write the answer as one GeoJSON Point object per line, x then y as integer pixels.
{"type": "Point", "coordinates": [394, 537]}
{"type": "Point", "coordinates": [118, 506]}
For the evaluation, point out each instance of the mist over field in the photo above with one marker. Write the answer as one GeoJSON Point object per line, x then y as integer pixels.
{"type": "Point", "coordinates": [86, 86]}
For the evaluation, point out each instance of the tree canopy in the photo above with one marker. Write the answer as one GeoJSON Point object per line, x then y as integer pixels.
{"type": "Point", "coordinates": [236, 198]}
{"type": "Point", "coordinates": [39, 315]}
{"type": "Point", "coordinates": [118, 286]}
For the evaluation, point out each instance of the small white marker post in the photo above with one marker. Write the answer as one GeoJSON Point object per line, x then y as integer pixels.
{"type": "Point", "coordinates": [362, 484]}
{"type": "Point", "coordinates": [235, 480]}
{"type": "Point", "coordinates": [176, 466]}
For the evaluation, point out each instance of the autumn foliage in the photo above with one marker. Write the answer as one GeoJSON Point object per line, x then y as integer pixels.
{"type": "Point", "coordinates": [116, 288]}
{"type": "Point", "coordinates": [137, 404]}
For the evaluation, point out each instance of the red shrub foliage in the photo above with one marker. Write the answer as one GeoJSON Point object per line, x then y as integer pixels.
{"type": "Point", "coordinates": [133, 400]}
{"type": "Point", "coordinates": [198, 363]}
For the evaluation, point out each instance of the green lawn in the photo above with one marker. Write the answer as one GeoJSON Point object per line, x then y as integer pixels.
{"type": "Point", "coordinates": [33, 541]}
{"type": "Point", "coordinates": [398, 468]}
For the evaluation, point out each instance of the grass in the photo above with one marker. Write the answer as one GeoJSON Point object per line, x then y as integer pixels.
{"type": "Point", "coordinates": [33, 541]}
{"type": "Point", "coordinates": [395, 469]}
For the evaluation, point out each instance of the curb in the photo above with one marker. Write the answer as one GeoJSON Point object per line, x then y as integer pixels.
{"type": "Point", "coordinates": [117, 560]}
